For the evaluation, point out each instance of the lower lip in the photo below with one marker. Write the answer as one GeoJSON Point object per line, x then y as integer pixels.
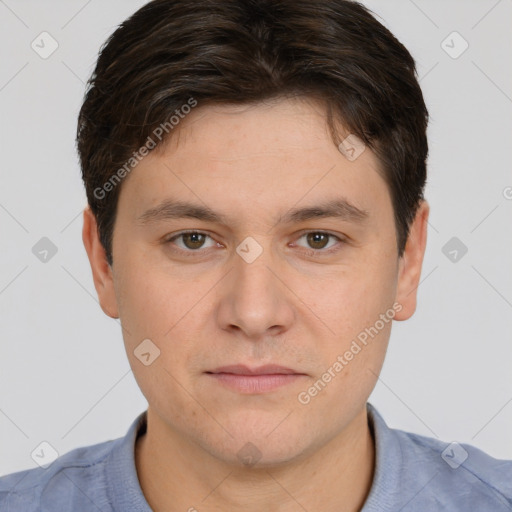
{"type": "Point", "coordinates": [255, 383]}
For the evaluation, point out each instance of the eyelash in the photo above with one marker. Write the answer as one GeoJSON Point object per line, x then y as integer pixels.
{"type": "Point", "coordinates": [193, 253]}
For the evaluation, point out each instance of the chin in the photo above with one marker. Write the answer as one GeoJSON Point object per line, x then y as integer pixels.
{"type": "Point", "coordinates": [263, 446]}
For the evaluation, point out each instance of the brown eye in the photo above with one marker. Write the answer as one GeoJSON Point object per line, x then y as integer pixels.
{"type": "Point", "coordinates": [318, 240]}
{"type": "Point", "coordinates": [193, 240]}
{"type": "Point", "coordinates": [321, 242]}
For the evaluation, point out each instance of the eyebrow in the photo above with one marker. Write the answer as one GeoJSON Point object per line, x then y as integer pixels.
{"type": "Point", "coordinates": [171, 209]}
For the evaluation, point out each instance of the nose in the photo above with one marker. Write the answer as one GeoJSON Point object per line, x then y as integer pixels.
{"type": "Point", "coordinates": [255, 301]}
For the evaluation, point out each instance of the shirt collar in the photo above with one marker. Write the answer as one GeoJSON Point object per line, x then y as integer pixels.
{"type": "Point", "coordinates": [127, 493]}
{"type": "Point", "coordinates": [123, 483]}
{"type": "Point", "coordinates": [388, 463]}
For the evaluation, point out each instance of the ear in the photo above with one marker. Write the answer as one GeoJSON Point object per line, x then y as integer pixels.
{"type": "Point", "coordinates": [101, 270]}
{"type": "Point", "coordinates": [410, 263]}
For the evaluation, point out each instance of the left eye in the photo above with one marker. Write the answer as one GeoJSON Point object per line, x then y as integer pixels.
{"type": "Point", "coordinates": [318, 240]}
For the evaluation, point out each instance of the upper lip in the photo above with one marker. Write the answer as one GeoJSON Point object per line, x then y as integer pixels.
{"type": "Point", "coordinates": [268, 369]}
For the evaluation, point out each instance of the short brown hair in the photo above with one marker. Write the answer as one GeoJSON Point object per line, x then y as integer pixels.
{"type": "Point", "coordinates": [246, 51]}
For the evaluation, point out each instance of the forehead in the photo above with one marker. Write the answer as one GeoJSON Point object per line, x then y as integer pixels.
{"type": "Point", "coordinates": [296, 123]}
{"type": "Point", "coordinates": [271, 155]}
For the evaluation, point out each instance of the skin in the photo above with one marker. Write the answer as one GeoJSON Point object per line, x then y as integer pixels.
{"type": "Point", "coordinates": [291, 306]}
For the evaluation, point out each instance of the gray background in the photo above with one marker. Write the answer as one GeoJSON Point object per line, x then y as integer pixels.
{"type": "Point", "coordinates": [64, 375]}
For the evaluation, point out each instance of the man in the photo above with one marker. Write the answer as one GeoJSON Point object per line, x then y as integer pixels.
{"type": "Point", "coordinates": [255, 173]}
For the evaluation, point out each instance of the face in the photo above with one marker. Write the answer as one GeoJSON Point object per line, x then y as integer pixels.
{"type": "Point", "coordinates": [273, 274]}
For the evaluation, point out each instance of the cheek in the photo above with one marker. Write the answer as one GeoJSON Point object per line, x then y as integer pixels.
{"type": "Point", "coordinates": [171, 312]}
{"type": "Point", "coordinates": [141, 303]}
{"type": "Point", "coordinates": [157, 307]}
{"type": "Point", "coordinates": [351, 299]}
{"type": "Point", "coordinates": [351, 358]}
{"type": "Point", "coordinates": [152, 302]}
{"type": "Point", "coordinates": [350, 302]}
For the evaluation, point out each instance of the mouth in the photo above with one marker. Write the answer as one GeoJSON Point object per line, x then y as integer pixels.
{"type": "Point", "coordinates": [268, 369]}
{"type": "Point", "coordinates": [246, 380]}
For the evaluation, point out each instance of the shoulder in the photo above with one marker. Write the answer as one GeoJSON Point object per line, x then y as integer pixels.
{"type": "Point", "coordinates": [464, 468]}
{"type": "Point", "coordinates": [434, 474]}
{"type": "Point", "coordinates": [72, 478]}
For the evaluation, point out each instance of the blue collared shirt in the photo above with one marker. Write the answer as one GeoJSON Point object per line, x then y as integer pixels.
{"type": "Point", "coordinates": [413, 473]}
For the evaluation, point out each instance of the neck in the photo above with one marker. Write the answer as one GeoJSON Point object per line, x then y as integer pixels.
{"type": "Point", "coordinates": [177, 475]}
